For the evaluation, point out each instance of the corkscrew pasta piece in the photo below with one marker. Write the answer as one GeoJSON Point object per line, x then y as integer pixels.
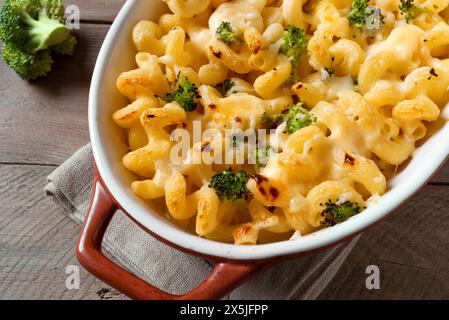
{"type": "Point", "coordinates": [292, 13]}
{"type": "Point", "coordinates": [333, 192]}
{"type": "Point", "coordinates": [147, 38]}
{"type": "Point", "coordinates": [267, 84]}
{"type": "Point", "coordinates": [187, 8]}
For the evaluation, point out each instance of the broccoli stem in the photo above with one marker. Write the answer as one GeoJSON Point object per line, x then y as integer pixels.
{"type": "Point", "coordinates": [43, 32]}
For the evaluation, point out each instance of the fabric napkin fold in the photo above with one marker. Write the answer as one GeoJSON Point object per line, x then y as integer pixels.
{"type": "Point", "coordinates": [70, 186]}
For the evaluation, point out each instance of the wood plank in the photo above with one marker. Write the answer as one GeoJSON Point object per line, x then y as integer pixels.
{"type": "Point", "coordinates": [37, 242]}
{"type": "Point", "coordinates": [45, 121]}
{"type": "Point", "coordinates": [97, 10]}
{"type": "Point", "coordinates": [410, 248]}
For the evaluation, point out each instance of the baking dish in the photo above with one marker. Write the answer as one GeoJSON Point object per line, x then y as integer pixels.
{"type": "Point", "coordinates": [234, 263]}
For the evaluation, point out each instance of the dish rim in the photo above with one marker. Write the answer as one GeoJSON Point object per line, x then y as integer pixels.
{"type": "Point", "coordinates": [193, 243]}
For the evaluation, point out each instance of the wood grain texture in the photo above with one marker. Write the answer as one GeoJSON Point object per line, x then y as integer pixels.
{"type": "Point", "coordinates": [37, 241]}
{"type": "Point", "coordinates": [44, 122]}
{"type": "Point", "coordinates": [97, 10]}
{"type": "Point", "coordinates": [41, 124]}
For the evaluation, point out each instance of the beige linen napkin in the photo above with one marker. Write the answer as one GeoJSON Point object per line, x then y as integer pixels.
{"type": "Point", "coordinates": [304, 278]}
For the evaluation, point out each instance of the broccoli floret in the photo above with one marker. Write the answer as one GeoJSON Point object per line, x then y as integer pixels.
{"type": "Point", "coordinates": [358, 14]}
{"type": "Point", "coordinates": [185, 95]}
{"type": "Point", "coordinates": [27, 66]}
{"type": "Point", "coordinates": [339, 212]}
{"type": "Point", "coordinates": [30, 30]}
{"type": "Point", "coordinates": [225, 87]}
{"type": "Point", "coordinates": [29, 26]}
{"type": "Point", "coordinates": [55, 8]}
{"type": "Point", "coordinates": [296, 117]}
{"type": "Point", "coordinates": [67, 47]}
{"type": "Point", "coordinates": [410, 10]}
{"type": "Point", "coordinates": [230, 186]}
{"type": "Point", "coordinates": [294, 43]}
{"type": "Point", "coordinates": [226, 34]}
{"type": "Point", "coordinates": [361, 13]}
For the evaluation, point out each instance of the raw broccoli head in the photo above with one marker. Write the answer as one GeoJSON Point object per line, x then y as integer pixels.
{"type": "Point", "coordinates": [410, 10]}
{"type": "Point", "coordinates": [226, 34]}
{"type": "Point", "coordinates": [67, 47]}
{"type": "Point", "coordinates": [229, 185]}
{"type": "Point", "coordinates": [294, 43]}
{"type": "Point", "coordinates": [32, 25]}
{"type": "Point", "coordinates": [339, 212]}
{"type": "Point", "coordinates": [185, 94]}
{"type": "Point", "coordinates": [29, 28]}
{"type": "Point", "coordinates": [296, 118]}
{"type": "Point", "coordinates": [27, 66]}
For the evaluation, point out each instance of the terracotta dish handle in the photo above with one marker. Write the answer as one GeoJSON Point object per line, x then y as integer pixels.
{"type": "Point", "coordinates": [225, 277]}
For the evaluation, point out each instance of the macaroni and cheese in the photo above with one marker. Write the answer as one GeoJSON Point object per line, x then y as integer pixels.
{"type": "Point", "coordinates": [343, 89]}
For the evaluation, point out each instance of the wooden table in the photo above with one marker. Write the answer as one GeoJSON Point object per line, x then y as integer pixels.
{"type": "Point", "coordinates": [44, 122]}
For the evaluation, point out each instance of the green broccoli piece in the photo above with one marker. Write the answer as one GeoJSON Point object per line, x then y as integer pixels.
{"type": "Point", "coordinates": [410, 10]}
{"type": "Point", "coordinates": [339, 212]}
{"type": "Point", "coordinates": [230, 186]}
{"type": "Point", "coordinates": [55, 8]}
{"type": "Point", "coordinates": [226, 34]}
{"type": "Point", "coordinates": [30, 30]}
{"type": "Point", "coordinates": [27, 66]}
{"type": "Point", "coordinates": [358, 14]}
{"type": "Point", "coordinates": [185, 95]}
{"type": "Point", "coordinates": [361, 13]}
{"type": "Point", "coordinates": [67, 47]}
{"type": "Point", "coordinates": [296, 117]}
{"type": "Point", "coordinates": [225, 87]}
{"type": "Point", "coordinates": [294, 44]}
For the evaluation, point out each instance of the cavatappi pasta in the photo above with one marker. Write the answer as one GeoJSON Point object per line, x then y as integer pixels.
{"type": "Point", "coordinates": [362, 79]}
